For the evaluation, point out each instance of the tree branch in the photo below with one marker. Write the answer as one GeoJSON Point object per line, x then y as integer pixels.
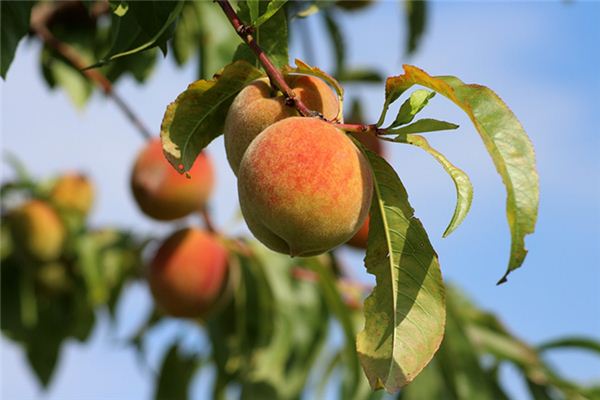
{"type": "Point", "coordinates": [276, 77]}
{"type": "Point", "coordinates": [41, 16]}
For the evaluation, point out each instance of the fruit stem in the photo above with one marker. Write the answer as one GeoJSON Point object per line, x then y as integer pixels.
{"type": "Point", "coordinates": [361, 128]}
{"type": "Point", "coordinates": [275, 76]}
{"type": "Point", "coordinates": [41, 16]}
{"type": "Point", "coordinates": [208, 224]}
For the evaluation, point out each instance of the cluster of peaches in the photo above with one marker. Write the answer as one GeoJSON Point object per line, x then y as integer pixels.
{"type": "Point", "coordinates": [40, 226]}
{"type": "Point", "coordinates": [304, 188]}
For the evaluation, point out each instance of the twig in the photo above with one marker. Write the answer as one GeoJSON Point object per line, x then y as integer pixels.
{"type": "Point", "coordinates": [276, 77]}
{"type": "Point", "coordinates": [41, 15]}
{"type": "Point", "coordinates": [361, 128]}
{"type": "Point", "coordinates": [208, 224]}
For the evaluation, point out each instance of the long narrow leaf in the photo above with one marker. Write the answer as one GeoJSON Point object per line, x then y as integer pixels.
{"type": "Point", "coordinates": [464, 188]}
{"type": "Point", "coordinates": [505, 140]}
{"type": "Point", "coordinates": [405, 313]}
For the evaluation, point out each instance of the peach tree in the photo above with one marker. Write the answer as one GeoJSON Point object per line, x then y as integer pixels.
{"type": "Point", "coordinates": [311, 177]}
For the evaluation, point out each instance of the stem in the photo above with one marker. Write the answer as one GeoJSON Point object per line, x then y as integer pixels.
{"type": "Point", "coordinates": [276, 77]}
{"type": "Point", "coordinates": [40, 17]}
{"type": "Point", "coordinates": [208, 224]}
{"type": "Point", "coordinates": [361, 128]}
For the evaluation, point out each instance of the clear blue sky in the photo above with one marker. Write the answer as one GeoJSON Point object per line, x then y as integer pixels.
{"type": "Point", "coordinates": [541, 57]}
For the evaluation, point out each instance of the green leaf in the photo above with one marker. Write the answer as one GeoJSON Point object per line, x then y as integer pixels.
{"type": "Point", "coordinates": [144, 25]}
{"type": "Point", "coordinates": [405, 313]}
{"type": "Point", "coordinates": [43, 354]}
{"type": "Point", "coordinates": [336, 305]}
{"type": "Point", "coordinates": [272, 8]}
{"type": "Point", "coordinates": [271, 36]}
{"type": "Point", "coordinates": [416, 19]}
{"type": "Point", "coordinates": [14, 24]}
{"type": "Point", "coordinates": [572, 342]}
{"type": "Point", "coordinates": [505, 140]}
{"type": "Point", "coordinates": [253, 9]}
{"type": "Point", "coordinates": [412, 106]}
{"type": "Point", "coordinates": [359, 75]}
{"type": "Point", "coordinates": [421, 126]}
{"type": "Point", "coordinates": [464, 188]}
{"type": "Point", "coordinates": [176, 373]}
{"type": "Point", "coordinates": [337, 41]}
{"type": "Point", "coordinates": [460, 362]}
{"type": "Point", "coordinates": [197, 116]}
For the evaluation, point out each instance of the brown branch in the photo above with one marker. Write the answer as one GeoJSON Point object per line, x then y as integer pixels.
{"type": "Point", "coordinates": [41, 16]}
{"type": "Point", "coordinates": [276, 77]}
{"type": "Point", "coordinates": [208, 224]}
{"type": "Point", "coordinates": [361, 128]}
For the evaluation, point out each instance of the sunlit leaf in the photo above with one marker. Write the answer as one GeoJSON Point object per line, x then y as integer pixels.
{"type": "Point", "coordinates": [272, 8]}
{"type": "Point", "coordinates": [422, 126]}
{"type": "Point", "coordinates": [197, 116]}
{"type": "Point", "coordinates": [412, 106]}
{"type": "Point", "coordinates": [505, 140]}
{"type": "Point", "coordinates": [464, 188]}
{"type": "Point", "coordinates": [405, 313]}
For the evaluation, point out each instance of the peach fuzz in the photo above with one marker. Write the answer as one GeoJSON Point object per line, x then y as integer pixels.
{"type": "Point", "coordinates": [188, 273]}
{"type": "Point", "coordinates": [39, 230]}
{"type": "Point", "coordinates": [259, 106]}
{"type": "Point", "coordinates": [162, 192]}
{"type": "Point", "coordinates": [304, 187]}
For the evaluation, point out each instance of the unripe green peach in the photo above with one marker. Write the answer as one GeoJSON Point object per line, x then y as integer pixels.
{"type": "Point", "coordinates": [163, 193]}
{"type": "Point", "coordinates": [38, 230]}
{"type": "Point", "coordinates": [73, 193]}
{"type": "Point", "coordinates": [258, 106]}
{"type": "Point", "coordinates": [304, 187]}
{"type": "Point", "coordinates": [188, 273]}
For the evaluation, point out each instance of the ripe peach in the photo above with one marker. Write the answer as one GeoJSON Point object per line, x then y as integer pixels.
{"type": "Point", "coordinates": [304, 187]}
{"type": "Point", "coordinates": [258, 106]}
{"type": "Point", "coordinates": [372, 143]}
{"type": "Point", "coordinates": [73, 192]}
{"type": "Point", "coordinates": [362, 236]}
{"type": "Point", "coordinates": [188, 273]}
{"type": "Point", "coordinates": [163, 193]}
{"type": "Point", "coordinates": [39, 231]}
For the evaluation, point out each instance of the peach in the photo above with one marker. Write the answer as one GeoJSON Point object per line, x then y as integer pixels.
{"type": "Point", "coordinates": [188, 273]}
{"type": "Point", "coordinates": [259, 106]}
{"type": "Point", "coordinates": [162, 192]}
{"type": "Point", "coordinates": [37, 228]}
{"type": "Point", "coordinates": [372, 143]}
{"type": "Point", "coordinates": [73, 192]}
{"type": "Point", "coordinates": [304, 187]}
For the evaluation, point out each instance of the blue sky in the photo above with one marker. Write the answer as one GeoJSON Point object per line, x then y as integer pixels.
{"type": "Point", "coordinates": [540, 57]}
